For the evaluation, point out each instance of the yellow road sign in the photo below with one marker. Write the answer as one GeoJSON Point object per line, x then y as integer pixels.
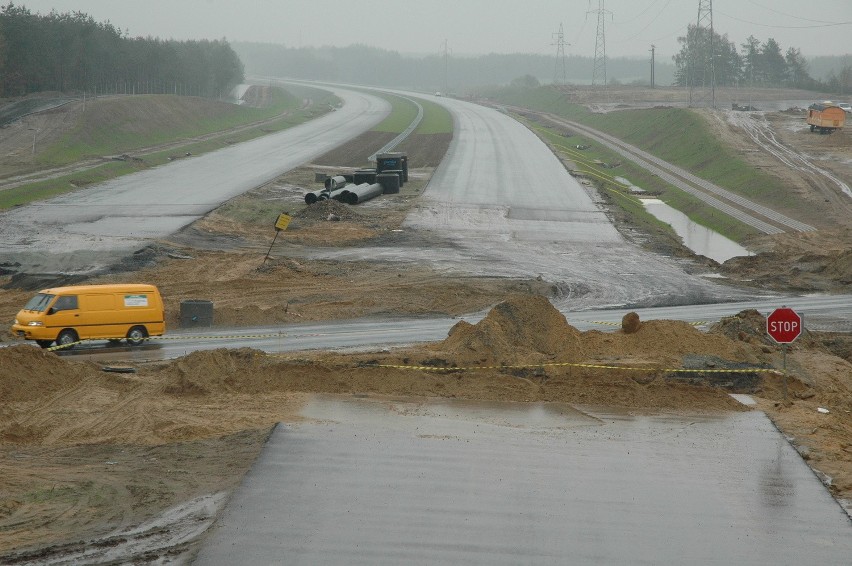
{"type": "Point", "coordinates": [283, 221]}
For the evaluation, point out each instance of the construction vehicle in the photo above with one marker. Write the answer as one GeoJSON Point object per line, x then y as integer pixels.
{"type": "Point", "coordinates": [826, 117]}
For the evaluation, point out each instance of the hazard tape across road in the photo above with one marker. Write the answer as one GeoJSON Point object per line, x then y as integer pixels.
{"type": "Point", "coordinates": [454, 369]}
{"type": "Point", "coordinates": [189, 337]}
{"type": "Point", "coordinates": [578, 365]}
{"type": "Point", "coordinates": [610, 323]}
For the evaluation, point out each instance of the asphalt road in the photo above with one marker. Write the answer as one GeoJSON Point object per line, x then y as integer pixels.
{"type": "Point", "coordinates": [833, 313]}
{"type": "Point", "coordinates": [406, 482]}
{"type": "Point", "coordinates": [88, 229]}
{"type": "Point", "coordinates": [502, 205]}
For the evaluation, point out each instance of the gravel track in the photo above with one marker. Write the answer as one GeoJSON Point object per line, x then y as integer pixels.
{"type": "Point", "coordinates": [692, 184]}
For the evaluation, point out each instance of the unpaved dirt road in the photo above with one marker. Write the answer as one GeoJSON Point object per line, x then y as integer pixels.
{"type": "Point", "coordinates": [99, 460]}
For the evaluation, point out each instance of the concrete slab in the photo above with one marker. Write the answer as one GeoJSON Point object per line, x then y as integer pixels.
{"type": "Point", "coordinates": [402, 482]}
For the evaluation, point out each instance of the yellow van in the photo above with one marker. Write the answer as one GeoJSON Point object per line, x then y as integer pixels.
{"type": "Point", "coordinates": [81, 312]}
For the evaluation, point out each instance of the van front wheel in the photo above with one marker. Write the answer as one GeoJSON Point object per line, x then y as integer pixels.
{"type": "Point", "coordinates": [136, 335]}
{"type": "Point", "coordinates": [67, 338]}
{"type": "Point", "coordinates": [44, 343]}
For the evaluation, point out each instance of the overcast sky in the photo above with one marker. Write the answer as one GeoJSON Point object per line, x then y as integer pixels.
{"type": "Point", "coordinates": [472, 27]}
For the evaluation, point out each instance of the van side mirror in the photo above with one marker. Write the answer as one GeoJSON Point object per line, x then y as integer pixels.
{"type": "Point", "coordinates": [51, 310]}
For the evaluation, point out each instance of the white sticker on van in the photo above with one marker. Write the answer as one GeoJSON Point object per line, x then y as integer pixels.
{"type": "Point", "coordinates": [135, 300]}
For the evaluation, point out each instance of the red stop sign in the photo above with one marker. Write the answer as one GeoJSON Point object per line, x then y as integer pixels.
{"type": "Point", "coordinates": [784, 325]}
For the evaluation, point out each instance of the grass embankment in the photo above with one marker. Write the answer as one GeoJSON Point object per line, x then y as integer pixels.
{"type": "Point", "coordinates": [436, 118]}
{"type": "Point", "coordinates": [128, 125]}
{"type": "Point", "coordinates": [677, 135]}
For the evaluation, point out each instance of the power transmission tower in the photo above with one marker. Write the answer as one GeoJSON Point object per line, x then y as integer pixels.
{"type": "Point", "coordinates": [446, 64]}
{"type": "Point", "coordinates": [599, 68]}
{"type": "Point", "coordinates": [559, 73]}
{"type": "Point", "coordinates": [652, 65]}
{"type": "Point", "coordinates": [702, 76]}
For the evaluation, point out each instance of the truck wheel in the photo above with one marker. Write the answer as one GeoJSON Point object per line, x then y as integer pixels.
{"type": "Point", "coordinates": [136, 335]}
{"type": "Point", "coordinates": [66, 338]}
{"type": "Point", "coordinates": [812, 127]}
{"type": "Point", "coordinates": [44, 343]}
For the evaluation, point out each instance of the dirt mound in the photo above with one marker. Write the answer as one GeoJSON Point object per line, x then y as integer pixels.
{"type": "Point", "coordinates": [666, 342]}
{"type": "Point", "coordinates": [29, 373]}
{"type": "Point", "coordinates": [745, 326]}
{"type": "Point", "coordinates": [526, 328]}
{"type": "Point", "coordinates": [322, 209]}
{"type": "Point", "coordinates": [213, 371]}
{"type": "Point", "coordinates": [839, 267]}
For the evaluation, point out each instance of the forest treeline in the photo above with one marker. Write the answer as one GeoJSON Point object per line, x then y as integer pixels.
{"type": "Point", "coordinates": [70, 52]}
{"type": "Point", "coordinates": [758, 64]}
{"type": "Point", "coordinates": [705, 57]}
{"type": "Point", "coordinates": [363, 64]}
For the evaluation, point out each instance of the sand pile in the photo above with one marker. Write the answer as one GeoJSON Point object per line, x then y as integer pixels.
{"type": "Point", "coordinates": [28, 373]}
{"type": "Point", "coordinates": [524, 328]}
{"type": "Point", "coordinates": [216, 371]}
{"type": "Point", "coordinates": [665, 341]}
{"type": "Point", "coordinates": [839, 267]}
{"type": "Point", "coordinates": [746, 326]}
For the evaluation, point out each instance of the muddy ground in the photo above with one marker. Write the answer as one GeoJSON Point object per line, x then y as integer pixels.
{"type": "Point", "coordinates": [88, 454]}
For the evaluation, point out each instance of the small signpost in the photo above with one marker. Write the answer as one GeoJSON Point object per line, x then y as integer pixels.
{"type": "Point", "coordinates": [784, 325]}
{"type": "Point", "coordinates": [281, 223]}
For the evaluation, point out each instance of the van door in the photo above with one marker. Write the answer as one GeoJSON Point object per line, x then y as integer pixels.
{"type": "Point", "coordinates": [63, 313]}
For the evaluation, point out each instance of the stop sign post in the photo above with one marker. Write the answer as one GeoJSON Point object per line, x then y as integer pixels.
{"type": "Point", "coordinates": [784, 325]}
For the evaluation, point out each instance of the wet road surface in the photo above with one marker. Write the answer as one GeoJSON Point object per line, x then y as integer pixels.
{"type": "Point", "coordinates": [501, 204]}
{"type": "Point", "coordinates": [91, 228]}
{"type": "Point", "coordinates": [369, 481]}
{"type": "Point", "coordinates": [830, 313]}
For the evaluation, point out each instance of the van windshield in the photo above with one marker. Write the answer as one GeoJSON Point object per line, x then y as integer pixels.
{"type": "Point", "coordinates": [39, 302]}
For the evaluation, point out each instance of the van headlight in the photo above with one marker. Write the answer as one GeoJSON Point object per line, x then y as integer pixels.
{"type": "Point", "coordinates": [35, 323]}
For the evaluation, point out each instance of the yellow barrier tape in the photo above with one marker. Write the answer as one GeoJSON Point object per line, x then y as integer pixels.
{"type": "Point", "coordinates": [184, 337]}
{"type": "Point", "coordinates": [608, 323]}
{"type": "Point", "coordinates": [570, 364]}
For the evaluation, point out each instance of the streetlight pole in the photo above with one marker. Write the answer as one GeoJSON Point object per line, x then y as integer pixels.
{"type": "Point", "coordinates": [35, 131]}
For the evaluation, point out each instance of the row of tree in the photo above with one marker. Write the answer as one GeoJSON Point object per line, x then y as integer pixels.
{"type": "Point", "coordinates": [71, 52]}
{"type": "Point", "coordinates": [707, 57]}
{"type": "Point", "coordinates": [363, 64]}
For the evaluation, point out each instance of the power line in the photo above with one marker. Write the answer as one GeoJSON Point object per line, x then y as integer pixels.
{"type": "Point", "coordinates": [785, 27]}
{"type": "Point", "coordinates": [786, 14]}
{"type": "Point", "coordinates": [654, 19]}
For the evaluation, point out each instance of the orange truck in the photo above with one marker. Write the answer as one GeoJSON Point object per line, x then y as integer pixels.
{"type": "Point", "coordinates": [826, 117]}
{"type": "Point", "coordinates": [67, 315]}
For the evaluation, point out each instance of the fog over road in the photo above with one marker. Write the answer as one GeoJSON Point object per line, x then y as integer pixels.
{"type": "Point", "coordinates": [88, 229]}
{"type": "Point", "coordinates": [501, 204]}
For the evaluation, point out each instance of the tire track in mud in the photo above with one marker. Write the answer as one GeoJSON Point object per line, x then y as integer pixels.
{"type": "Point", "coordinates": [762, 134]}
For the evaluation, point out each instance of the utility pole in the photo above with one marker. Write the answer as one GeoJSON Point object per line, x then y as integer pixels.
{"type": "Point", "coordinates": [652, 65]}
{"type": "Point", "coordinates": [560, 57]}
{"type": "Point", "coordinates": [599, 68]}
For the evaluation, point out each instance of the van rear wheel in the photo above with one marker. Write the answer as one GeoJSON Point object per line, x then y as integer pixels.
{"type": "Point", "coordinates": [136, 335]}
{"type": "Point", "coordinates": [67, 338]}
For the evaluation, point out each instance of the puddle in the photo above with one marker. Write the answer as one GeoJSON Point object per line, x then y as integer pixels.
{"type": "Point", "coordinates": [699, 239]}
{"type": "Point", "coordinates": [445, 417]}
{"type": "Point", "coordinates": [631, 187]}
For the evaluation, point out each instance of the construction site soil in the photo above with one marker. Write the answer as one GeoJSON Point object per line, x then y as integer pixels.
{"type": "Point", "coordinates": [107, 457]}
